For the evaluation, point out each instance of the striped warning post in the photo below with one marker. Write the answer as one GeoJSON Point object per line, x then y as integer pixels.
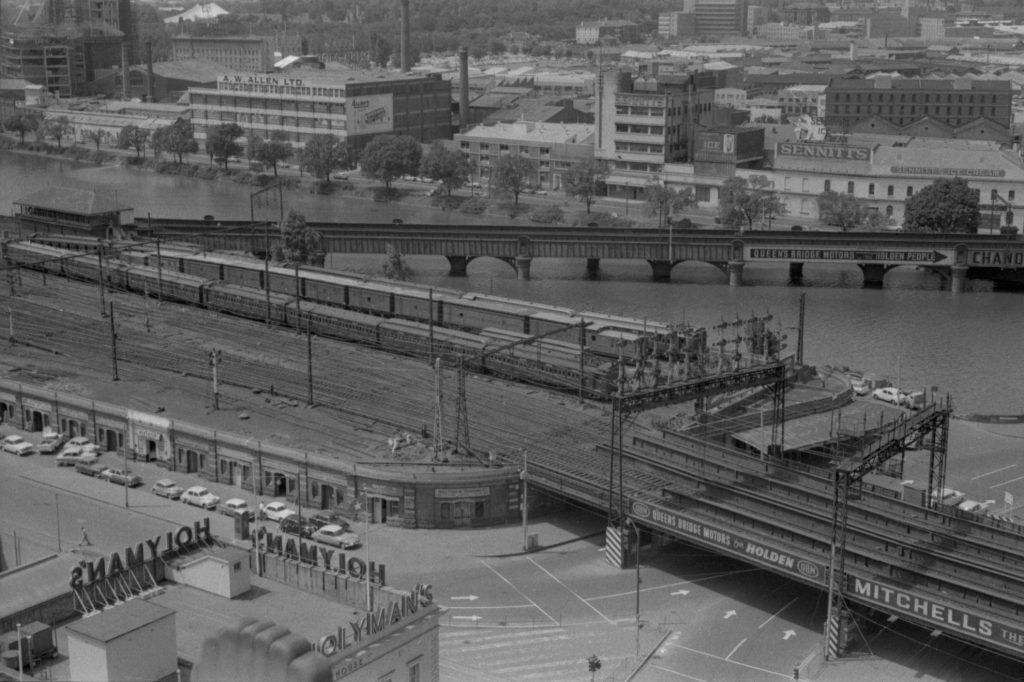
{"type": "Point", "coordinates": [613, 547]}
{"type": "Point", "coordinates": [832, 637]}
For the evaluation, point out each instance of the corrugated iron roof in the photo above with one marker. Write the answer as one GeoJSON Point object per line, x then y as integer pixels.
{"type": "Point", "coordinates": [84, 202]}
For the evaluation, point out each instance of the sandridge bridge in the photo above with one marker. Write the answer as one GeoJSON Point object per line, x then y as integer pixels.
{"type": "Point", "coordinates": [955, 257]}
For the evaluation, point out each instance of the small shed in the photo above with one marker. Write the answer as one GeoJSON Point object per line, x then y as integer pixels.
{"type": "Point", "coordinates": [136, 640]}
{"type": "Point", "coordinates": [223, 571]}
{"type": "Point", "coordinates": [81, 212]}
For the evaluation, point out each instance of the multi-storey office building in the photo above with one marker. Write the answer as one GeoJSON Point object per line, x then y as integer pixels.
{"type": "Point", "coordinates": [353, 105]}
{"type": "Point", "coordinates": [553, 148]}
{"type": "Point", "coordinates": [592, 32]}
{"type": "Point", "coordinates": [960, 108]}
{"type": "Point", "coordinates": [236, 53]}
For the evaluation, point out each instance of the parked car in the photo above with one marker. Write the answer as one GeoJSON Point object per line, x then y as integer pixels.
{"type": "Point", "coordinates": [236, 506]}
{"type": "Point", "coordinates": [889, 394]}
{"type": "Point", "coordinates": [15, 444]}
{"type": "Point", "coordinates": [948, 497]}
{"type": "Point", "coordinates": [51, 442]}
{"type": "Point", "coordinates": [326, 518]}
{"type": "Point", "coordinates": [70, 456]}
{"type": "Point", "coordinates": [165, 487]}
{"type": "Point", "coordinates": [336, 536]}
{"type": "Point", "coordinates": [83, 444]}
{"type": "Point", "coordinates": [21, 448]}
{"type": "Point", "coordinates": [859, 386]}
{"type": "Point", "coordinates": [121, 477]}
{"type": "Point", "coordinates": [293, 524]}
{"type": "Point", "coordinates": [199, 496]}
{"type": "Point", "coordinates": [971, 506]}
{"type": "Point", "coordinates": [275, 511]}
{"type": "Point", "coordinates": [914, 400]}
{"type": "Point", "coordinates": [94, 469]}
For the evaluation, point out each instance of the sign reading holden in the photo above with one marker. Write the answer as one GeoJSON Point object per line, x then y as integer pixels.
{"type": "Point", "coordinates": [817, 150]}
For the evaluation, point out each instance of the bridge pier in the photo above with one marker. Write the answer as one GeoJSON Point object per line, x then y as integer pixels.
{"type": "Point", "coordinates": [736, 273]}
{"type": "Point", "coordinates": [796, 273]}
{"type": "Point", "coordinates": [593, 265]}
{"type": "Point", "coordinates": [958, 279]}
{"type": "Point", "coordinates": [874, 274]}
{"type": "Point", "coordinates": [457, 265]}
{"type": "Point", "coordinates": [523, 267]}
{"type": "Point", "coordinates": [661, 270]}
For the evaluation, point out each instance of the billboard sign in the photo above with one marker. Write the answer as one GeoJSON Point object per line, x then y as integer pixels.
{"type": "Point", "coordinates": [370, 114]}
{"type": "Point", "coordinates": [817, 150]}
{"type": "Point", "coordinates": [754, 551]}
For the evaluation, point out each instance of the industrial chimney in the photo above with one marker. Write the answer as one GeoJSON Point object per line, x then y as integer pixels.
{"type": "Point", "coordinates": [464, 119]}
{"type": "Point", "coordinates": [149, 72]}
{"type": "Point", "coordinates": [406, 66]}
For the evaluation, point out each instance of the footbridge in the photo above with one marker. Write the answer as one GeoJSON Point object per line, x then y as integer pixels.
{"type": "Point", "coordinates": [956, 257]}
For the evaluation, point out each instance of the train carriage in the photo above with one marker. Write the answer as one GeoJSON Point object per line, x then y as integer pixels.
{"type": "Point", "coordinates": [36, 256]}
{"type": "Point", "coordinates": [468, 313]}
{"type": "Point", "coordinates": [328, 289]}
{"type": "Point", "coordinates": [336, 323]}
{"type": "Point", "coordinates": [173, 286]}
{"type": "Point", "coordinates": [417, 338]}
{"type": "Point", "coordinates": [244, 302]}
{"type": "Point", "coordinates": [565, 326]}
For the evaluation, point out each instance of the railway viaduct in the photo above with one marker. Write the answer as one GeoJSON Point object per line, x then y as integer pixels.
{"type": "Point", "coordinates": [956, 257]}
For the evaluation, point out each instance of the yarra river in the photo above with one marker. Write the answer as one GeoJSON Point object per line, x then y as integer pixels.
{"type": "Point", "coordinates": [911, 330]}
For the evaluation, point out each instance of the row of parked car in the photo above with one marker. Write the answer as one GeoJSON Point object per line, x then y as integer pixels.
{"type": "Point", "coordinates": [913, 400]}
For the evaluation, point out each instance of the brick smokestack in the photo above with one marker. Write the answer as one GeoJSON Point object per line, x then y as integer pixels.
{"type": "Point", "coordinates": [464, 121]}
{"type": "Point", "coordinates": [406, 65]}
{"type": "Point", "coordinates": [149, 72]}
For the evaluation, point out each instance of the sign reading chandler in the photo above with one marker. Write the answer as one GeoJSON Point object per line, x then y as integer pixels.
{"type": "Point", "coordinates": [817, 150]}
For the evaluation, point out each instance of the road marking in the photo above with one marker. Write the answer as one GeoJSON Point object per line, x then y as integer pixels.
{"type": "Point", "coordinates": [729, 614]}
{"type": "Point", "coordinates": [1012, 480]}
{"type": "Point", "coordinates": [509, 582]}
{"type": "Point", "coordinates": [777, 613]}
{"type": "Point", "coordinates": [471, 597]}
{"type": "Point", "coordinates": [571, 591]}
{"type": "Point", "coordinates": [681, 592]}
{"type": "Point", "coordinates": [742, 642]}
{"type": "Point", "coordinates": [783, 676]}
{"type": "Point", "coordinates": [473, 618]}
{"type": "Point", "coordinates": [788, 633]}
{"type": "Point", "coordinates": [679, 674]}
{"type": "Point", "coordinates": [995, 471]}
{"type": "Point", "coordinates": [479, 608]}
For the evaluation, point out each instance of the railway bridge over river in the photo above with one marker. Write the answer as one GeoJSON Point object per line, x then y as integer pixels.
{"type": "Point", "coordinates": [956, 257]}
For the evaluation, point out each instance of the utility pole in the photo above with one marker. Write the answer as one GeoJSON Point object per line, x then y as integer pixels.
{"type": "Point", "coordinates": [524, 475]}
{"type": "Point", "coordinates": [298, 298]}
{"type": "Point", "coordinates": [266, 267]}
{"type": "Point", "coordinates": [309, 363]}
{"type": "Point", "coordinates": [438, 410]}
{"type": "Point", "coordinates": [800, 331]}
{"type": "Point", "coordinates": [461, 411]}
{"type": "Point", "coordinates": [113, 342]}
{"type": "Point", "coordinates": [214, 362]}
{"type": "Point", "coordinates": [430, 315]}
{"type": "Point", "coordinates": [159, 273]}
{"type": "Point", "coordinates": [10, 326]}
{"type": "Point", "coordinates": [103, 300]}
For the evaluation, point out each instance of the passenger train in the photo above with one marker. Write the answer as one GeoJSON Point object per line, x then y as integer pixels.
{"type": "Point", "coordinates": [551, 362]}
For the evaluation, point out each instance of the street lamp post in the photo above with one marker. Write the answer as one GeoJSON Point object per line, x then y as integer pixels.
{"type": "Point", "coordinates": [636, 531]}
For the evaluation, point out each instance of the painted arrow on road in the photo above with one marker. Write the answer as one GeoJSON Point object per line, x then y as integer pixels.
{"type": "Point", "coordinates": [472, 618]}
{"type": "Point", "coordinates": [682, 592]}
{"type": "Point", "coordinates": [729, 614]}
{"type": "Point", "coordinates": [469, 597]}
{"type": "Point", "coordinates": [788, 633]}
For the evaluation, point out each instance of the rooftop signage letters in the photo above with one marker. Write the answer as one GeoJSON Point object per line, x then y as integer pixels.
{"type": "Point", "coordinates": [950, 172]}
{"type": "Point", "coordinates": [849, 255]}
{"type": "Point", "coordinates": [748, 549]}
{"type": "Point", "coordinates": [261, 80]}
{"type": "Point", "coordinates": [996, 259]}
{"type": "Point", "coordinates": [308, 553]}
{"type": "Point", "coordinates": [823, 151]}
{"type": "Point", "coordinates": [184, 539]}
{"type": "Point", "coordinates": [375, 622]}
{"type": "Point", "coordinates": [939, 614]}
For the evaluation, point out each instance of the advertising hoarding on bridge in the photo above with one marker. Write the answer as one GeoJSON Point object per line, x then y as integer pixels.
{"type": "Point", "coordinates": [726, 540]}
{"type": "Point", "coordinates": [942, 616]}
{"type": "Point", "coordinates": [847, 255]}
{"type": "Point", "coordinates": [996, 258]}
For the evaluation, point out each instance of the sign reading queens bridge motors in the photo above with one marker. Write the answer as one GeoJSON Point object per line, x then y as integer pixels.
{"type": "Point", "coordinates": [754, 551]}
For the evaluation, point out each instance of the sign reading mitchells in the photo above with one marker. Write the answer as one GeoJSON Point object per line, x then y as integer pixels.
{"type": "Point", "coordinates": [185, 539]}
{"type": "Point", "coordinates": [817, 150]}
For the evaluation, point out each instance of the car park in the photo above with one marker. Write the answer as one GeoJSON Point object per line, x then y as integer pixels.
{"type": "Point", "coordinates": [889, 394]}
{"type": "Point", "coordinates": [93, 469]}
{"type": "Point", "coordinates": [275, 511]}
{"type": "Point", "coordinates": [198, 496]}
{"type": "Point", "coordinates": [294, 524]}
{"type": "Point", "coordinates": [165, 487]}
{"type": "Point", "coordinates": [336, 536]}
{"type": "Point", "coordinates": [51, 442]}
{"type": "Point", "coordinates": [121, 477]}
{"type": "Point", "coordinates": [236, 506]}
{"type": "Point", "coordinates": [70, 456]}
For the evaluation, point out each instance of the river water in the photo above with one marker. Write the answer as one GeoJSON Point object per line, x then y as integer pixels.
{"type": "Point", "coordinates": [911, 331]}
